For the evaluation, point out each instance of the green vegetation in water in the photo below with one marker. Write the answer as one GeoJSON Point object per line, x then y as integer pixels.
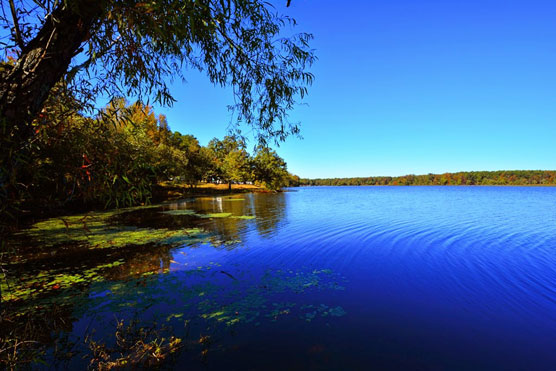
{"type": "Point", "coordinates": [33, 279]}
{"type": "Point", "coordinates": [245, 309]}
{"type": "Point", "coordinates": [214, 215]}
{"type": "Point", "coordinates": [135, 347]}
{"type": "Point", "coordinates": [321, 310]}
{"type": "Point", "coordinates": [125, 282]}
{"type": "Point", "coordinates": [237, 301]}
{"type": "Point", "coordinates": [179, 212]}
{"type": "Point", "coordinates": [49, 281]}
{"type": "Point", "coordinates": [96, 231]}
{"type": "Point", "coordinates": [202, 296]}
{"type": "Point", "coordinates": [253, 303]}
{"type": "Point", "coordinates": [207, 216]}
{"type": "Point", "coordinates": [298, 282]}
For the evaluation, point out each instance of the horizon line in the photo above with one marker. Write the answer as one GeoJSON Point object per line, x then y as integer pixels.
{"type": "Point", "coordinates": [411, 174]}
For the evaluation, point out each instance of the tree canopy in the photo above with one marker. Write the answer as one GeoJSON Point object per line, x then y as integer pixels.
{"type": "Point", "coordinates": [120, 156]}
{"type": "Point", "coordinates": [61, 55]}
{"type": "Point", "coordinates": [131, 48]}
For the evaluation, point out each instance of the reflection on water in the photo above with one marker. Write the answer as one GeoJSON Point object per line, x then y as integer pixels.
{"type": "Point", "coordinates": [271, 212]}
{"type": "Point", "coordinates": [337, 278]}
{"type": "Point", "coordinates": [269, 209]}
{"type": "Point", "coordinates": [64, 271]}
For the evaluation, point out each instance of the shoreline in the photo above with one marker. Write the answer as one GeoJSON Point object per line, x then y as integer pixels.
{"type": "Point", "coordinates": [427, 185]}
{"type": "Point", "coordinates": [170, 192]}
{"type": "Point", "coordinates": [161, 193]}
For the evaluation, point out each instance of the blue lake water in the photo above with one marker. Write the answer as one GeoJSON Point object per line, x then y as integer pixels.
{"type": "Point", "coordinates": [439, 277]}
{"type": "Point", "coordinates": [429, 278]}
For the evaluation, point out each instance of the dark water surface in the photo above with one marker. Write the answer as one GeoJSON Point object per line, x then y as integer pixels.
{"type": "Point", "coordinates": [338, 278]}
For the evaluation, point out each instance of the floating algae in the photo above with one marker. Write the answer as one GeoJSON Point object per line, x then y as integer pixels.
{"type": "Point", "coordinates": [202, 297]}
{"type": "Point", "coordinates": [179, 212]}
{"type": "Point", "coordinates": [69, 235]}
{"type": "Point", "coordinates": [243, 217]}
{"type": "Point", "coordinates": [214, 215]}
{"type": "Point", "coordinates": [222, 215]}
{"type": "Point", "coordinates": [298, 282]}
{"type": "Point", "coordinates": [96, 231]}
{"type": "Point", "coordinates": [252, 303]}
{"type": "Point", "coordinates": [42, 272]}
{"type": "Point", "coordinates": [207, 216]}
{"type": "Point", "coordinates": [145, 279]}
{"type": "Point", "coordinates": [234, 303]}
{"type": "Point", "coordinates": [49, 281]}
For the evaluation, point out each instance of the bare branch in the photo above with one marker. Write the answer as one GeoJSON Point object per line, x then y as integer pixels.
{"type": "Point", "coordinates": [18, 38]}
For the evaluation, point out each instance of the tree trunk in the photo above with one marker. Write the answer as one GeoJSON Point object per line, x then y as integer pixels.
{"type": "Point", "coordinates": [43, 62]}
{"type": "Point", "coordinates": [25, 86]}
{"type": "Point", "coordinates": [230, 186]}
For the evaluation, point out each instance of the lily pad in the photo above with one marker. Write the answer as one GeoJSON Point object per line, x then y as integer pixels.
{"type": "Point", "coordinates": [96, 231]}
{"type": "Point", "coordinates": [179, 212]}
{"type": "Point", "coordinates": [214, 215]}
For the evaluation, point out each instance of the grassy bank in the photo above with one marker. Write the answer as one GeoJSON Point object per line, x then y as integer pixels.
{"type": "Point", "coordinates": [172, 191]}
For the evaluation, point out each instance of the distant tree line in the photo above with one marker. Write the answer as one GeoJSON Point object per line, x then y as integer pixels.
{"type": "Point", "coordinates": [503, 177]}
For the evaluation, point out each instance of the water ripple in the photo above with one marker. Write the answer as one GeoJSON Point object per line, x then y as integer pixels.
{"type": "Point", "coordinates": [486, 248]}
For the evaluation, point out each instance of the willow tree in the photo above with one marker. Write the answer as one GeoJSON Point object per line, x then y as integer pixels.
{"type": "Point", "coordinates": [134, 48]}
{"type": "Point", "coordinates": [129, 46]}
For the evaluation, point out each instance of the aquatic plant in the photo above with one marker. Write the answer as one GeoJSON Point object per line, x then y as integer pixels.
{"type": "Point", "coordinates": [214, 215]}
{"type": "Point", "coordinates": [148, 280]}
{"type": "Point", "coordinates": [96, 231]}
{"type": "Point", "coordinates": [31, 287]}
{"type": "Point", "coordinates": [16, 353]}
{"type": "Point", "coordinates": [322, 310]}
{"type": "Point", "coordinates": [179, 212]}
{"type": "Point", "coordinates": [299, 281]}
{"type": "Point", "coordinates": [253, 303]}
{"type": "Point", "coordinates": [207, 216]}
{"type": "Point", "coordinates": [243, 217]}
{"type": "Point", "coordinates": [135, 347]}
{"type": "Point", "coordinates": [207, 295]}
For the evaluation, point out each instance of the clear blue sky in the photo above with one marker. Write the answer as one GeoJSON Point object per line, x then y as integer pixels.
{"type": "Point", "coordinates": [411, 87]}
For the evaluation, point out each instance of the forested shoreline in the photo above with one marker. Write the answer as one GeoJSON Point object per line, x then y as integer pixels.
{"type": "Point", "coordinates": [501, 177]}
{"type": "Point", "coordinates": [117, 158]}
{"type": "Point", "coordinates": [61, 150]}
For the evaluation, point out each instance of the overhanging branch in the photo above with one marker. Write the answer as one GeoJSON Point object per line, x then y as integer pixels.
{"type": "Point", "coordinates": [18, 38]}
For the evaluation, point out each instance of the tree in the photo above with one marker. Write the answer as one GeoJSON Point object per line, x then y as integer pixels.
{"type": "Point", "coordinates": [231, 160]}
{"type": "Point", "coordinates": [131, 46]}
{"type": "Point", "coordinates": [198, 159]}
{"type": "Point", "coordinates": [270, 169]}
{"type": "Point", "coordinates": [111, 160]}
{"type": "Point", "coordinates": [235, 167]}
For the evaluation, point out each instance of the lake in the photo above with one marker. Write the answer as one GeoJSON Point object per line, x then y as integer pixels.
{"type": "Point", "coordinates": [313, 278]}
